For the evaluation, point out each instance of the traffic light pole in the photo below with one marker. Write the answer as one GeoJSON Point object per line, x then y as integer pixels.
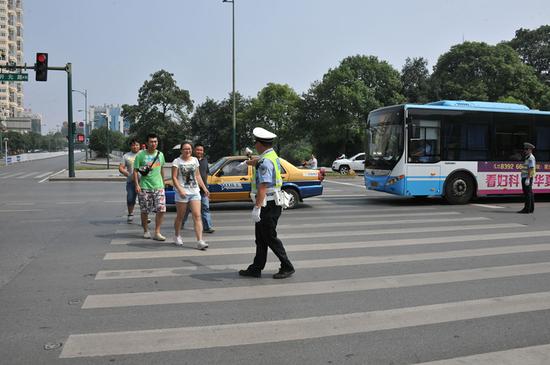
{"type": "Point", "coordinates": [68, 70]}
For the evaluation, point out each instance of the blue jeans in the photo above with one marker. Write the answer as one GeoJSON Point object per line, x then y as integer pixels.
{"type": "Point", "coordinates": [205, 213]}
{"type": "Point", "coordinates": [131, 194]}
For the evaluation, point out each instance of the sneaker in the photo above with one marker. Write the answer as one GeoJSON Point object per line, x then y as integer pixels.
{"type": "Point", "coordinates": [178, 241]}
{"type": "Point", "coordinates": [147, 234]}
{"type": "Point", "coordinates": [130, 218]}
{"type": "Point", "coordinates": [201, 245]}
{"type": "Point", "coordinates": [148, 220]}
{"type": "Point", "coordinates": [159, 237]}
{"type": "Point", "coordinates": [209, 230]}
{"type": "Point", "coordinates": [250, 273]}
{"type": "Point", "coordinates": [283, 274]}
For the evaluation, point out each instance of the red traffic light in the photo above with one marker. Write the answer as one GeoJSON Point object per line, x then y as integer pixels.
{"type": "Point", "coordinates": [41, 57]}
{"type": "Point", "coordinates": [41, 67]}
{"type": "Point", "coordinates": [80, 138]}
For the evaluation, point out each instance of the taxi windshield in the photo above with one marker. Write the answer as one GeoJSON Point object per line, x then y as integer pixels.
{"type": "Point", "coordinates": [216, 165]}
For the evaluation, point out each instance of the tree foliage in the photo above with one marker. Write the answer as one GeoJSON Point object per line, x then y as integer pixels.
{"type": "Point", "coordinates": [335, 109]}
{"type": "Point", "coordinates": [533, 47]}
{"type": "Point", "coordinates": [163, 108]}
{"type": "Point", "coordinates": [478, 71]}
{"type": "Point", "coordinates": [212, 125]}
{"type": "Point", "coordinates": [415, 79]}
{"type": "Point", "coordinates": [98, 140]}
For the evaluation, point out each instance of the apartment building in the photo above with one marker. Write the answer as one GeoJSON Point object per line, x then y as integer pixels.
{"type": "Point", "coordinates": [11, 51]}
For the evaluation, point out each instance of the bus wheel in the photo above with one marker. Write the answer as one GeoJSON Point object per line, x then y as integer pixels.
{"type": "Point", "coordinates": [459, 188]}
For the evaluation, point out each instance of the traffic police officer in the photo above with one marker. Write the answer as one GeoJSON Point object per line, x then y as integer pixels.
{"type": "Point", "coordinates": [266, 182]}
{"type": "Point", "coordinates": [527, 176]}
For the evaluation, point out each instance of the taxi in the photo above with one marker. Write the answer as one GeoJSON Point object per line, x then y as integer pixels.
{"type": "Point", "coordinates": [230, 181]}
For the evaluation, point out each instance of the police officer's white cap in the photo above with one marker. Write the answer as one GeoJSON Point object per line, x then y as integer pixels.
{"type": "Point", "coordinates": [527, 145]}
{"type": "Point", "coordinates": [263, 135]}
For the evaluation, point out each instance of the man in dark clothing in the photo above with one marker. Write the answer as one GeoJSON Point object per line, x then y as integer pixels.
{"type": "Point", "coordinates": [205, 203]}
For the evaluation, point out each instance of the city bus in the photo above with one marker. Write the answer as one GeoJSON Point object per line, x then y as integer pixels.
{"type": "Point", "coordinates": [455, 149]}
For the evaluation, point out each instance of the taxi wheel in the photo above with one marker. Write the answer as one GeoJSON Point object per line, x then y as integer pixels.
{"type": "Point", "coordinates": [295, 198]}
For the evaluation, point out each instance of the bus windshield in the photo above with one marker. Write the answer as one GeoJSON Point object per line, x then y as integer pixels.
{"type": "Point", "coordinates": [384, 138]}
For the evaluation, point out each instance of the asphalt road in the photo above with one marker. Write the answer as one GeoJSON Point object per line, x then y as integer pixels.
{"type": "Point", "coordinates": [379, 280]}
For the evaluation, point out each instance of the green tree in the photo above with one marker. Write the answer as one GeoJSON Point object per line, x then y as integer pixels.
{"type": "Point", "coordinates": [276, 109]}
{"type": "Point", "coordinates": [212, 125]}
{"type": "Point", "coordinates": [163, 108]}
{"type": "Point", "coordinates": [478, 71]}
{"type": "Point", "coordinates": [415, 79]}
{"type": "Point", "coordinates": [533, 47]}
{"type": "Point", "coordinates": [98, 140]}
{"type": "Point", "coordinates": [335, 109]}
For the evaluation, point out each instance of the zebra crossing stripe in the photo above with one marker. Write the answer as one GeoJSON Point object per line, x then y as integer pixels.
{"type": "Point", "coordinates": [42, 175]}
{"type": "Point", "coordinates": [324, 263]}
{"type": "Point", "coordinates": [348, 233]}
{"type": "Point", "coordinates": [328, 212]}
{"type": "Point", "coordinates": [27, 175]}
{"type": "Point", "coordinates": [295, 329]}
{"type": "Point", "coordinates": [360, 244]}
{"type": "Point", "coordinates": [309, 288]}
{"type": "Point", "coordinates": [533, 355]}
{"type": "Point", "coordinates": [12, 175]}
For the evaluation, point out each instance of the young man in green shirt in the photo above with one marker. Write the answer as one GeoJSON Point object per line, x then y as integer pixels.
{"type": "Point", "coordinates": [148, 171]}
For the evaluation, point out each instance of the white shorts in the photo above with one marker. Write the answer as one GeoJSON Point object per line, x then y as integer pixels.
{"type": "Point", "coordinates": [187, 198]}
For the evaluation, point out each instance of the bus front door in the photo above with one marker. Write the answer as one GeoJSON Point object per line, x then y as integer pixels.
{"type": "Point", "coordinates": [423, 179]}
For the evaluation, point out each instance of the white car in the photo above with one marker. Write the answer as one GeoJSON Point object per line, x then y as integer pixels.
{"type": "Point", "coordinates": [344, 165]}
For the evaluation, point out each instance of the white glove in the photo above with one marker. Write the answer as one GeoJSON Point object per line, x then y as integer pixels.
{"type": "Point", "coordinates": [527, 182]}
{"type": "Point", "coordinates": [256, 214]}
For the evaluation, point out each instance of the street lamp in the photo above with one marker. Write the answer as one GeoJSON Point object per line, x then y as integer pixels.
{"type": "Point", "coordinates": [85, 93]}
{"type": "Point", "coordinates": [6, 144]}
{"type": "Point", "coordinates": [107, 139]}
{"type": "Point", "coordinates": [233, 64]}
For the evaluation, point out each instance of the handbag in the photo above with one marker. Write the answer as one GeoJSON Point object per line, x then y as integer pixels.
{"type": "Point", "coordinates": [145, 170]}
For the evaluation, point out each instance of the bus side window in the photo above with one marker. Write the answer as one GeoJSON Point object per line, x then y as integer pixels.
{"type": "Point", "coordinates": [424, 141]}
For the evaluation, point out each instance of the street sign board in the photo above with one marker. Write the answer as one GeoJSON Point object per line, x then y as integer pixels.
{"type": "Point", "coordinates": [14, 77]}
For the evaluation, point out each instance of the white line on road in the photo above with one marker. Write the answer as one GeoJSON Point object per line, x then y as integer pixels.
{"type": "Point", "coordinates": [533, 355]}
{"type": "Point", "coordinates": [337, 246]}
{"type": "Point", "coordinates": [331, 262]}
{"type": "Point", "coordinates": [42, 175]}
{"type": "Point", "coordinates": [12, 175]}
{"type": "Point", "coordinates": [27, 175]}
{"type": "Point", "coordinates": [185, 338]}
{"type": "Point", "coordinates": [20, 210]}
{"type": "Point", "coordinates": [362, 186]}
{"type": "Point", "coordinates": [52, 175]}
{"type": "Point", "coordinates": [309, 288]}
{"type": "Point", "coordinates": [488, 206]}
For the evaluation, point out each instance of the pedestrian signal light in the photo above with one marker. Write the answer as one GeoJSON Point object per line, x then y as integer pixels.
{"type": "Point", "coordinates": [41, 67]}
{"type": "Point", "coordinates": [80, 138]}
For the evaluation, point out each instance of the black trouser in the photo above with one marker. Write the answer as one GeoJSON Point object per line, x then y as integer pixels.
{"type": "Point", "coordinates": [529, 196]}
{"type": "Point", "coordinates": [266, 236]}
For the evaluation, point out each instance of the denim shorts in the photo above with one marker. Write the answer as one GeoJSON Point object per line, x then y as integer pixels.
{"type": "Point", "coordinates": [131, 194]}
{"type": "Point", "coordinates": [187, 198]}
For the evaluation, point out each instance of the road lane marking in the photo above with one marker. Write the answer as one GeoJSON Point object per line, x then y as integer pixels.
{"type": "Point", "coordinates": [20, 210]}
{"type": "Point", "coordinates": [320, 263]}
{"type": "Point", "coordinates": [42, 175]}
{"type": "Point", "coordinates": [488, 206]}
{"type": "Point", "coordinates": [247, 238]}
{"type": "Point", "coordinates": [533, 355]}
{"type": "Point", "coordinates": [27, 175]}
{"type": "Point", "coordinates": [347, 184]}
{"type": "Point", "coordinates": [12, 175]}
{"type": "Point", "coordinates": [309, 288]}
{"type": "Point", "coordinates": [323, 211]}
{"type": "Point", "coordinates": [346, 245]}
{"type": "Point", "coordinates": [295, 329]}
{"type": "Point", "coordinates": [52, 175]}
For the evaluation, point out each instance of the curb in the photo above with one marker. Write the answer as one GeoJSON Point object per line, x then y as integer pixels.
{"type": "Point", "coordinates": [107, 179]}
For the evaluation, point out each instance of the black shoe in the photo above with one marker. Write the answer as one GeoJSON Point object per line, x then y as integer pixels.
{"type": "Point", "coordinates": [283, 274]}
{"type": "Point", "coordinates": [209, 230]}
{"type": "Point", "coordinates": [523, 211]}
{"type": "Point", "coordinates": [250, 273]}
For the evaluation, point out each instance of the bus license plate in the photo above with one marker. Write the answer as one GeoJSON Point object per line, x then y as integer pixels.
{"type": "Point", "coordinates": [374, 184]}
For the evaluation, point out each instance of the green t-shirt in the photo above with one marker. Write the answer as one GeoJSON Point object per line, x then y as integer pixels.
{"type": "Point", "coordinates": [153, 180]}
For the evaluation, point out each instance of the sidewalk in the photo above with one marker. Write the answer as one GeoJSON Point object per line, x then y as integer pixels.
{"type": "Point", "coordinates": [97, 172]}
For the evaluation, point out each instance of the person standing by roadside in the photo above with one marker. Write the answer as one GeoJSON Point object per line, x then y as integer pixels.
{"type": "Point", "coordinates": [527, 177]}
{"type": "Point", "coordinates": [205, 200]}
{"type": "Point", "coordinates": [126, 168]}
{"type": "Point", "coordinates": [266, 183]}
{"type": "Point", "coordinates": [148, 171]}
{"type": "Point", "coordinates": [188, 184]}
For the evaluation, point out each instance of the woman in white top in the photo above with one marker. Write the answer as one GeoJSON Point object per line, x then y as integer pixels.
{"type": "Point", "coordinates": [187, 182]}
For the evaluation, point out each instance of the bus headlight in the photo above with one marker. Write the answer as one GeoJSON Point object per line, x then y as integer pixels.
{"type": "Point", "coordinates": [395, 179]}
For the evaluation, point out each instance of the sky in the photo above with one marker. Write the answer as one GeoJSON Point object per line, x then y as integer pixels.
{"type": "Point", "coordinates": [115, 45]}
